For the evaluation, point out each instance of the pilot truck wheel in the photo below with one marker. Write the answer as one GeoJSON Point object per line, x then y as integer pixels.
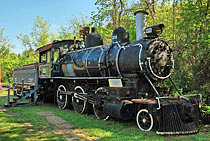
{"type": "Point", "coordinates": [144, 120]}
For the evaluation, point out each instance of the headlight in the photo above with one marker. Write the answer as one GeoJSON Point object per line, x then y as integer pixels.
{"type": "Point", "coordinates": [155, 30]}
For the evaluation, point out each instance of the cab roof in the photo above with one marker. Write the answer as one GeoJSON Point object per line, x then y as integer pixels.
{"type": "Point", "coordinates": [55, 44]}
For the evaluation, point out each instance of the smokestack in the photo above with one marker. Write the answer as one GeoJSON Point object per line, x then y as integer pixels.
{"type": "Point", "coordinates": [140, 23]}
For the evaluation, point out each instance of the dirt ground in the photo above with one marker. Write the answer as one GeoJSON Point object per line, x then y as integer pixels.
{"type": "Point", "coordinates": [63, 127]}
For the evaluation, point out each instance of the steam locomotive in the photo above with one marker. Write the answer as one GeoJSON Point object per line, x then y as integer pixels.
{"type": "Point", "coordinates": [120, 80]}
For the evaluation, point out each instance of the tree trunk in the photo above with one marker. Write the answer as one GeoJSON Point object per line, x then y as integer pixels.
{"type": "Point", "coordinates": [120, 13]}
{"type": "Point", "coordinates": [149, 7]}
{"type": "Point", "coordinates": [115, 14]}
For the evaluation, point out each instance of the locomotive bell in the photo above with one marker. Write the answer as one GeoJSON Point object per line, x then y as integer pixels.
{"type": "Point", "coordinates": [140, 24]}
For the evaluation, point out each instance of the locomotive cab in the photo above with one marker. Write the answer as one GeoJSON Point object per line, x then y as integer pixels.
{"type": "Point", "coordinates": [51, 55]}
{"type": "Point", "coordinates": [45, 61]}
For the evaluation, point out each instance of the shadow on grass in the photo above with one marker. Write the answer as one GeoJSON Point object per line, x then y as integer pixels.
{"type": "Point", "coordinates": [117, 129]}
{"type": "Point", "coordinates": [22, 123]}
{"type": "Point", "coordinates": [23, 128]}
{"type": "Point", "coordinates": [103, 130]}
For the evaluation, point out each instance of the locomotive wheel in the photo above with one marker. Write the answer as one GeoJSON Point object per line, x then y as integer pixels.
{"type": "Point", "coordinates": [79, 104]}
{"type": "Point", "coordinates": [62, 100]}
{"type": "Point", "coordinates": [144, 120]}
{"type": "Point", "coordinates": [98, 109]}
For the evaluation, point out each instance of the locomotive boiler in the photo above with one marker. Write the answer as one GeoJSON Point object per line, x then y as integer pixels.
{"type": "Point", "coordinates": [120, 80]}
{"type": "Point", "coordinates": [150, 56]}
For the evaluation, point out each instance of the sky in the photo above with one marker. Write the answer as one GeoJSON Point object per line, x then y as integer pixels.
{"type": "Point", "coordinates": [17, 16]}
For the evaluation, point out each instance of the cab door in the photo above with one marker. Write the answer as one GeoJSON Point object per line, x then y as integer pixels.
{"type": "Point", "coordinates": [56, 67]}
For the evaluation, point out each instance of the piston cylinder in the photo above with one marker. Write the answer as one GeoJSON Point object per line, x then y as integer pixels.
{"type": "Point", "coordinates": [121, 111]}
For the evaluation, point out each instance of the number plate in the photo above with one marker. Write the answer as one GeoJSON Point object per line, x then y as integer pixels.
{"type": "Point", "coordinates": [115, 83]}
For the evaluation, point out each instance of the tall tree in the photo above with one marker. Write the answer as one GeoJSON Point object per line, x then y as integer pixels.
{"type": "Point", "coordinates": [109, 9]}
{"type": "Point", "coordinates": [40, 32]}
{"type": "Point", "coordinates": [4, 44]}
{"type": "Point", "coordinates": [38, 37]}
{"type": "Point", "coordinates": [72, 26]}
{"type": "Point", "coordinates": [5, 47]}
{"type": "Point", "coordinates": [193, 45]}
{"type": "Point", "coordinates": [11, 60]}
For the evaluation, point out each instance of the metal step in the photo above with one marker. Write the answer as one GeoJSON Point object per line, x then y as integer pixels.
{"type": "Point", "coordinates": [26, 91]}
{"type": "Point", "coordinates": [23, 94]}
{"type": "Point", "coordinates": [19, 96]}
{"type": "Point", "coordinates": [16, 98]}
{"type": "Point", "coordinates": [11, 102]}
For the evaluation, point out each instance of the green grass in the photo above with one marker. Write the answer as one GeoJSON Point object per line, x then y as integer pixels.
{"type": "Point", "coordinates": [14, 126]}
{"type": "Point", "coordinates": [23, 123]}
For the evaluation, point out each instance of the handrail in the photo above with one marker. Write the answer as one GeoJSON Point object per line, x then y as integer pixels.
{"type": "Point", "coordinates": [148, 59]}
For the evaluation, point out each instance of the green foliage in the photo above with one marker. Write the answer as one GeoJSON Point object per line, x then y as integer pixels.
{"type": "Point", "coordinates": [39, 36]}
{"type": "Point", "coordinates": [109, 11]}
{"type": "Point", "coordinates": [130, 24]}
{"type": "Point", "coordinates": [192, 46]}
{"type": "Point", "coordinates": [206, 109]}
{"type": "Point", "coordinates": [72, 27]}
{"type": "Point", "coordinates": [106, 33]}
{"type": "Point", "coordinates": [110, 15]}
{"type": "Point", "coordinates": [6, 58]}
{"type": "Point", "coordinates": [8, 65]}
{"type": "Point", "coordinates": [25, 40]}
{"type": "Point", "coordinates": [40, 32]}
{"type": "Point", "coordinates": [4, 44]}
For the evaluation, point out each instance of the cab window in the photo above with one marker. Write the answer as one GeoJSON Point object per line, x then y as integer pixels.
{"type": "Point", "coordinates": [56, 55]}
{"type": "Point", "coordinates": [43, 58]}
{"type": "Point", "coordinates": [48, 57]}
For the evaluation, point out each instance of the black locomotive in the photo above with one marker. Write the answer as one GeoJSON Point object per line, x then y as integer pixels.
{"type": "Point", "coordinates": [120, 80]}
